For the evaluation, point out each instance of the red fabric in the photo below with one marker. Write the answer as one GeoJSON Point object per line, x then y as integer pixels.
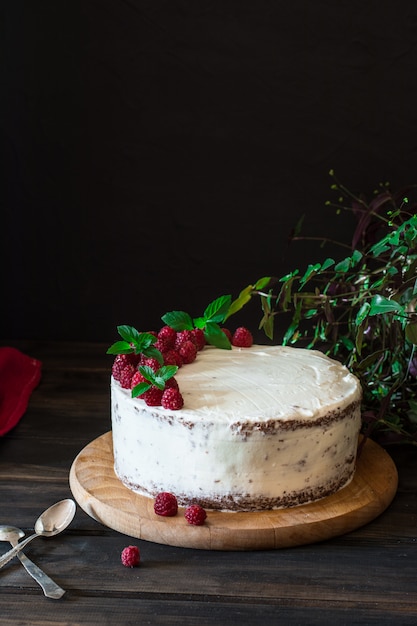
{"type": "Point", "coordinates": [19, 375]}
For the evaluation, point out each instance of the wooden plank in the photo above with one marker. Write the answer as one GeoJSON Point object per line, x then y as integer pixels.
{"type": "Point", "coordinates": [125, 609]}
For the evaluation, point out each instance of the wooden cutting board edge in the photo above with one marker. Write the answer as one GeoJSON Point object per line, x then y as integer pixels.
{"type": "Point", "coordinates": [103, 497]}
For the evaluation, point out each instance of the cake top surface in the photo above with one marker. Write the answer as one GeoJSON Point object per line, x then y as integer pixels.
{"type": "Point", "coordinates": [261, 383]}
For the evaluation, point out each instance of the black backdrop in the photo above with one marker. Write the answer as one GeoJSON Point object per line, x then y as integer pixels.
{"type": "Point", "coordinates": [156, 154]}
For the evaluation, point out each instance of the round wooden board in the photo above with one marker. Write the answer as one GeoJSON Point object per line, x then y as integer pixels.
{"type": "Point", "coordinates": [101, 495]}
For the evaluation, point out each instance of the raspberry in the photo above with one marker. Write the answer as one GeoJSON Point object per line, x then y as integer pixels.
{"type": "Point", "coordinates": [126, 375]}
{"type": "Point", "coordinates": [168, 335]}
{"type": "Point", "coordinates": [120, 361]}
{"type": "Point", "coordinates": [165, 504]}
{"type": "Point", "coordinates": [150, 362]}
{"type": "Point", "coordinates": [199, 338]}
{"type": "Point", "coordinates": [162, 344]}
{"type": "Point", "coordinates": [228, 334]}
{"type": "Point", "coordinates": [172, 399]}
{"type": "Point", "coordinates": [137, 378]}
{"type": "Point", "coordinates": [171, 383]}
{"type": "Point", "coordinates": [188, 351]}
{"type": "Point", "coordinates": [242, 338]}
{"type": "Point", "coordinates": [172, 357]}
{"type": "Point", "coordinates": [195, 514]}
{"type": "Point", "coordinates": [153, 396]}
{"type": "Point", "coordinates": [183, 335]}
{"type": "Point", "coordinates": [130, 556]}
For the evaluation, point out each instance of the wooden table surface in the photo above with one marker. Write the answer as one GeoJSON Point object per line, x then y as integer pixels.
{"type": "Point", "coordinates": [368, 576]}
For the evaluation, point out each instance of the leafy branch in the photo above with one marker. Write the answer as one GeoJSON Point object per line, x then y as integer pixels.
{"type": "Point", "coordinates": [361, 309]}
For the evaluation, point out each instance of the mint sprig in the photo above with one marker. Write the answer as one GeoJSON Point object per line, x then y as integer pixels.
{"type": "Point", "coordinates": [134, 342]}
{"type": "Point", "coordinates": [154, 379]}
{"type": "Point", "coordinates": [214, 315]}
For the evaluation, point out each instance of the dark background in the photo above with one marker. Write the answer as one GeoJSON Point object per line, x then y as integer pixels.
{"type": "Point", "coordinates": [156, 155]}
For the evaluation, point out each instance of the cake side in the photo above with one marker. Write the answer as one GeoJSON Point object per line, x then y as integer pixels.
{"type": "Point", "coordinates": [274, 428]}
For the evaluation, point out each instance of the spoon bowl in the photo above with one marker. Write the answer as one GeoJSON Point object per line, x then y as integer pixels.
{"type": "Point", "coordinates": [49, 586]}
{"type": "Point", "coordinates": [10, 533]}
{"type": "Point", "coordinates": [51, 522]}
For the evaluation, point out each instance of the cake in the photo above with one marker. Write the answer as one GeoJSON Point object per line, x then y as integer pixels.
{"type": "Point", "coordinates": [261, 427]}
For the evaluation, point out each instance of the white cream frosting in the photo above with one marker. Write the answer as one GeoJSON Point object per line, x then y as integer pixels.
{"type": "Point", "coordinates": [261, 427]}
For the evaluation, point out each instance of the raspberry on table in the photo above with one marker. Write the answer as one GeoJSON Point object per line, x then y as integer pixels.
{"type": "Point", "coordinates": [165, 504]}
{"type": "Point", "coordinates": [195, 514]}
{"type": "Point", "coordinates": [172, 399]}
{"type": "Point", "coordinates": [242, 338]}
{"type": "Point", "coordinates": [130, 556]}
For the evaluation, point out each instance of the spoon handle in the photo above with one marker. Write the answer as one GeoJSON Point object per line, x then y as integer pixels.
{"type": "Point", "coordinates": [7, 556]}
{"type": "Point", "coordinates": [49, 586]}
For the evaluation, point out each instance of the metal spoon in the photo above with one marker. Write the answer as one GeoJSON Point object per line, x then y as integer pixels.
{"type": "Point", "coordinates": [51, 522]}
{"type": "Point", "coordinates": [50, 588]}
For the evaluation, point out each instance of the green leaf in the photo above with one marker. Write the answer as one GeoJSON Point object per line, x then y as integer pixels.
{"type": "Point", "coordinates": [362, 313]}
{"type": "Point", "coordinates": [262, 283]}
{"type": "Point", "coordinates": [139, 389]}
{"type": "Point", "coordinates": [246, 294]}
{"type": "Point", "coordinates": [343, 266]}
{"type": "Point", "coordinates": [128, 333]}
{"type": "Point", "coordinates": [242, 299]}
{"type": "Point", "coordinates": [326, 264]}
{"type": "Point", "coordinates": [216, 337]}
{"type": "Point", "coordinates": [199, 322]}
{"type": "Point", "coordinates": [267, 325]}
{"type": "Point", "coordinates": [217, 310]}
{"type": "Point", "coordinates": [309, 273]}
{"type": "Point", "coordinates": [147, 372]}
{"type": "Point", "coordinates": [144, 340]}
{"type": "Point", "coordinates": [283, 279]}
{"type": "Point", "coordinates": [120, 347]}
{"type": "Point", "coordinates": [380, 304]}
{"type": "Point", "coordinates": [167, 371]}
{"type": "Point", "coordinates": [178, 320]}
{"type": "Point", "coordinates": [379, 248]}
{"type": "Point", "coordinates": [285, 295]}
{"type": "Point", "coordinates": [153, 353]}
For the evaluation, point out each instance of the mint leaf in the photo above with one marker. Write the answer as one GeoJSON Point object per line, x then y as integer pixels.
{"type": "Point", "coordinates": [153, 353]}
{"type": "Point", "coordinates": [147, 372]}
{"type": "Point", "coordinates": [138, 390]}
{"type": "Point", "coordinates": [199, 322]}
{"type": "Point", "coordinates": [128, 333]}
{"type": "Point", "coordinates": [216, 337]}
{"type": "Point", "coordinates": [178, 320]}
{"type": "Point", "coordinates": [120, 347]}
{"type": "Point", "coordinates": [143, 341]}
{"type": "Point", "coordinates": [167, 371]}
{"type": "Point", "coordinates": [133, 341]}
{"type": "Point", "coordinates": [156, 379]}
